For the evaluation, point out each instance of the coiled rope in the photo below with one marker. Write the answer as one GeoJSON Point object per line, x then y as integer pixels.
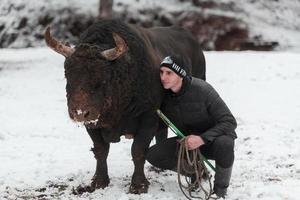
{"type": "Point", "coordinates": [190, 163]}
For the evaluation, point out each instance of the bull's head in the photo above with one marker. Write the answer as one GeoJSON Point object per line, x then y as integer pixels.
{"type": "Point", "coordinates": [88, 70]}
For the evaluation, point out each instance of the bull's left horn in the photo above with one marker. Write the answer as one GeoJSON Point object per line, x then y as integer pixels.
{"type": "Point", "coordinates": [116, 52]}
{"type": "Point", "coordinates": [57, 46]}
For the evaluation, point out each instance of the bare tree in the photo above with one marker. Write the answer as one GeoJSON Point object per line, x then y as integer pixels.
{"type": "Point", "coordinates": [105, 8]}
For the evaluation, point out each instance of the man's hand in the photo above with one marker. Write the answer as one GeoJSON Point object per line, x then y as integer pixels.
{"type": "Point", "coordinates": [193, 141]}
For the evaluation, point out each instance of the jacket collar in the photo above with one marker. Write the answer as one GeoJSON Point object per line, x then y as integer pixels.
{"type": "Point", "coordinates": [186, 82]}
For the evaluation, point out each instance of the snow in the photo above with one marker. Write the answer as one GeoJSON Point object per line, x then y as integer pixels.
{"type": "Point", "coordinates": [43, 153]}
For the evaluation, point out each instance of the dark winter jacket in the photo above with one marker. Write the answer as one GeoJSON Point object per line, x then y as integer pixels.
{"type": "Point", "coordinates": [198, 109]}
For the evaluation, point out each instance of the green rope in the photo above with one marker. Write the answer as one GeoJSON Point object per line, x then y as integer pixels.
{"type": "Point", "coordinates": [179, 134]}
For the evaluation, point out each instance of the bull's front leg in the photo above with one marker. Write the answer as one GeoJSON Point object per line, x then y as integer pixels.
{"type": "Point", "coordinates": [100, 150]}
{"type": "Point", "coordinates": [139, 148]}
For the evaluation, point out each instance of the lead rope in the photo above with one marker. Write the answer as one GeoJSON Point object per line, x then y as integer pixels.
{"type": "Point", "coordinates": [190, 163]}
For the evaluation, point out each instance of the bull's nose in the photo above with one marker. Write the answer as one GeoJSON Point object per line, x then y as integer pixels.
{"type": "Point", "coordinates": [82, 113]}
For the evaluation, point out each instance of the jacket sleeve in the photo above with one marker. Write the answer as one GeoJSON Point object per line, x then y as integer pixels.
{"type": "Point", "coordinates": [218, 111]}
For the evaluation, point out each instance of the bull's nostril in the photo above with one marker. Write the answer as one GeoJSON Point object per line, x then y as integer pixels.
{"type": "Point", "coordinates": [86, 114]}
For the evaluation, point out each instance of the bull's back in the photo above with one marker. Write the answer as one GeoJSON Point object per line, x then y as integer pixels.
{"type": "Point", "coordinates": [175, 40]}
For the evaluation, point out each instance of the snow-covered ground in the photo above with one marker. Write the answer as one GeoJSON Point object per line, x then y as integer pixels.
{"type": "Point", "coordinates": [44, 155]}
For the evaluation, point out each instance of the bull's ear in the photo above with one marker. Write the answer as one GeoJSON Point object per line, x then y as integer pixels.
{"type": "Point", "coordinates": [120, 49]}
{"type": "Point", "coordinates": [57, 46]}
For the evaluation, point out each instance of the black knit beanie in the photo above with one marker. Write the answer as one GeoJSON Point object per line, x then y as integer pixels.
{"type": "Point", "coordinates": [176, 64]}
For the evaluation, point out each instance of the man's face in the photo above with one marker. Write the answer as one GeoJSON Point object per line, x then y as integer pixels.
{"type": "Point", "coordinates": [169, 79]}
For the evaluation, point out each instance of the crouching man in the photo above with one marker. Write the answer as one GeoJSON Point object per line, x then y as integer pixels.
{"type": "Point", "coordinates": [198, 111]}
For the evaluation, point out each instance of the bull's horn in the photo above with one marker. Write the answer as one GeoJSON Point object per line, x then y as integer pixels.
{"type": "Point", "coordinates": [57, 46]}
{"type": "Point", "coordinates": [116, 52]}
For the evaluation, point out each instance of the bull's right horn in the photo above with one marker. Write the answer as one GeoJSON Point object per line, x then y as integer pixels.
{"type": "Point", "coordinates": [119, 50]}
{"type": "Point", "coordinates": [57, 46]}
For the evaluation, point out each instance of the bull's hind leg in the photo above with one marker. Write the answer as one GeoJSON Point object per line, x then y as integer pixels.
{"type": "Point", "coordinates": [139, 183]}
{"type": "Point", "coordinates": [100, 150]}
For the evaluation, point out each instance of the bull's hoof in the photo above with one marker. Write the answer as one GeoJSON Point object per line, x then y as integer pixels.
{"type": "Point", "coordinates": [98, 183]}
{"type": "Point", "coordinates": [139, 188]}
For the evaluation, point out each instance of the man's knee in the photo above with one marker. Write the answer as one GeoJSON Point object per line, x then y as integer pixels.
{"type": "Point", "coordinates": [224, 151]}
{"type": "Point", "coordinates": [225, 143]}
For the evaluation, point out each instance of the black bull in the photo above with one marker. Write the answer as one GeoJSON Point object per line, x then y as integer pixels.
{"type": "Point", "coordinates": [137, 48]}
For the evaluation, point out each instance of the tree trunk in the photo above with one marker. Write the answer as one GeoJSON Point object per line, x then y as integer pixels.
{"type": "Point", "coordinates": [105, 8]}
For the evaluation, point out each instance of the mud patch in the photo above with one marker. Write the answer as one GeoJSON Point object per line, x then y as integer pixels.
{"type": "Point", "coordinates": [51, 190]}
{"type": "Point", "coordinates": [155, 169]}
{"type": "Point", "coordinates": [81, 189]}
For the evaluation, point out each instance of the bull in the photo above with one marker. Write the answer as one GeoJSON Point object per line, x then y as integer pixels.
{"type": "Point", "coordinates": [113, 86]}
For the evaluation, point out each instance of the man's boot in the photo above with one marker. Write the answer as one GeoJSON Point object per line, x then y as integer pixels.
{"type": "Point", "coordinates": [222, 179]}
